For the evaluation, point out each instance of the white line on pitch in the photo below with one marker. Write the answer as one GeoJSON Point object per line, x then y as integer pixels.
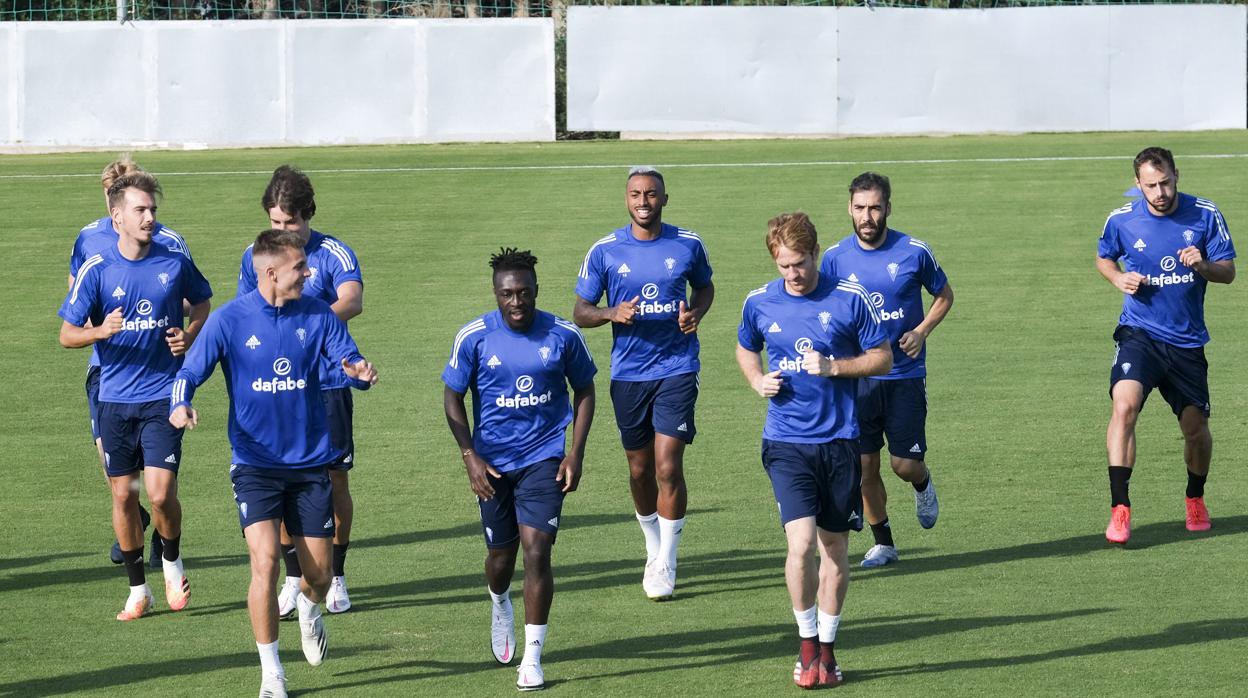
{"type": "Point", "coordinates": [719, 165]}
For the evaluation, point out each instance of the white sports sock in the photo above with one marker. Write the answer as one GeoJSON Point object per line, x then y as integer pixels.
{"type": "Point", "coordinates": [534, 640]}
{"type": "Point", "coordinates": [828, 624]}
{"type": "Point", "coordinates": [669, 539]}
{"type": "Point", "coordinates": [500, 599]}
{"type": "Point", "coordinates": [307, 610]}
{"type": "Point", "coordinates": [293, 581]}
{"type": "Point", "coordinates": [137, 593]}
{"type": "Point", "coordinates": [650, 529]}
{"type": "Point", "coordinates": [173, 570]}
{"type": "Point", "coordinates": [270, 663]}
{"type": "Point", "coordinates": [807, 623]}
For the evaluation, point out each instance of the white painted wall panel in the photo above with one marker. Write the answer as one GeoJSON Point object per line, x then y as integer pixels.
{"type": "Point", "coordinates": [8, 89]}
{"type": "Point", "coordinates": [490, 80]}
{"type": "Point", "coordinates": [918, 70]}
{"type": "Point", "coordinates": [199, 91]}
{"type": "Point", "coordinates": [702, 69]}
{"type": "Point", "coordinates": [84, 84]}
{"type": "Point", "coordinates": [1178, 67]}
{"type": "Point", "coordinates": [353, 81]}
{"type": "Point", "coordinates": [854, 70]}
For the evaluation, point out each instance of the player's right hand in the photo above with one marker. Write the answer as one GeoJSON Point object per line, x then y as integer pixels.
{"type": "Point", "coordinates": [624, 312]}
{"type": "Point", "coordinates": [768, 385]}
{"type": "Point", "coordinates": [479, 474]}
{"type": "Point", "coordinates": [112, 324]}
{"type": "Point", "coordinates": [1129, 282]}
{"type": "Point", "coordinates": [184, 418]}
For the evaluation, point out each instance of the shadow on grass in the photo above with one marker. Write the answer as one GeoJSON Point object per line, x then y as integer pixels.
{"type": "Point", "coordinates": [703, 574]}
{"type": "Point", "coordinates": [147, 669]}
{"type": "Point", "coordinates": [473, 529]}
{"type": "Point", "coordinates": [12, 563]}
{"type": "Point", "coordinates": [104, 571]}
{"type": "Point", "coordinates": [1177, 635]}
{"type": "Point", "coordinates": [1146, 536]}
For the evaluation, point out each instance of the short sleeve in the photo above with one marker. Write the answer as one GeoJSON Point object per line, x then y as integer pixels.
{"type": "Point", "coordinates": [871, 332]}
{"type": "Point", "coordinates": [1110, 246]}
{"type": "Point", "coordinates": [246, 274]}
{"type": "Point", "coordinates": [578, 364]}
{"type": "Point", "coordinates": [700, 269]}
{"type": "Point", "coordinates": [930, 274]}
{"type": "Point", "coordinates": [461, 368]}
{"type": "Point", "coordinates": [83, 298]}
{"type": "Point", "coordinates": [827, 266]}
{"type": "Point", "coordinates": [77, 255]}
{"type": "Point", "coordinates": [345, 265]}
{"type": "Point", "coordinates": [591, 282]}
{"type": "Point", "coordinates": [1218, 245]}
{"type": "Point", "coordinates": [748, 334]}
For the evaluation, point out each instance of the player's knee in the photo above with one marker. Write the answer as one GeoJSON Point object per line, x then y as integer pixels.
{"type": "Point", "coordinates": [537, 559]}
{"type": "Point", "coordinates": [316, 578]}
{"type": "Point", "coordinates": [161, 499]}
{"type": "Point", "coordinates": [1195, 429]}
{"type": "Point", "coordinates": [1125, 412]}
{"type": "Point", "coordinates": [669, 474]}
{"type": "Point", "coordinates": [908, 469]}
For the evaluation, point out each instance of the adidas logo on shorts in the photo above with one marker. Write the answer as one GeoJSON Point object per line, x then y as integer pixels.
{"type": "Point", "coordinates": [915, 449]}
{"type": "Point", "coordinates": [682, 427]}
{"type": "Point", "coordinates": [329, 523]}
{"type": "Point", "coordinates": [554, 522]}
{"type": "Point", "coordinates": [172, 459]}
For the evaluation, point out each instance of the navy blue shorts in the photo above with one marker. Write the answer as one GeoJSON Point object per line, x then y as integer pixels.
{"type": "Point", "coordinates": [1181, 374]}
{"type": "Point", "coordinates": [300, 497]}
{"type": "Point", "coordinates": [339, 409]}
{"type": "Point", "coordinates": [896, 409]}
{"type": "Point", "coordinates": [529, 496]}
{"type": "Point", "coordinates": [820, 480]}
{"type": "Point", "coordinates": [665, 406]}
{"type": "Point", "coordinates": [137, 435]}
{"type": "Point", "coordinates": [93, 399]}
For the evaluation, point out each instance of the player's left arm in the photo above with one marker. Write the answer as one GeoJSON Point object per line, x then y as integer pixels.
{"type": "Point", "coordinates": [340, 347]}
{"type": "Point", "coordinates": [700, 299]}
{"type": "Point", "coordinates": [583, 403]}
{"type": "Point", "coordinates": [350, 300]}
{"type": "Point", "coordinates": [1217, 261]}
{"type": "Point", "coordinates": [912, 342]}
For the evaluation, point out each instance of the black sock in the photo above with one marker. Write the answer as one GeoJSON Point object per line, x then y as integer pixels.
{"type": "Point", "coordinates": [173, 547]}
{"type": "Point", "coordinates": [292, 561]}
{"type": "Point", "coordinates": [883, 533]}
{"type": "Point", "coordinates": [1119, 478]}
{"type": "Point", "coordinates": [920, 486]}
{"type": "Point", "coordinates": [809, 650]}
{"type": "Point", "coordinates": [1196, 484]}
{"type": "Point", "coordinates": [340, 558]}
{"type": "Point", "coordinates": [827, 653]}
{"type": "Point", "coordinates": [133, 560]}
{"type": "Point", "coordinates": [144, 517]}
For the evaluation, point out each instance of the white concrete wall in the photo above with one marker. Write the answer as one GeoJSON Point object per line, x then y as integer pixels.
{"type": "Point", "coordinates": [84, 84]}
{"type": "Point", "coordinates": [853, 70]}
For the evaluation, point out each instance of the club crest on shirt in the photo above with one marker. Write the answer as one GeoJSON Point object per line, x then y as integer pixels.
{"type": "Point", "coordinates": [302, 334]}
{"type": "Point", "coordinates": [892, 270]}
{"type": "Point", "coordinates": [1188, 236]}
{"type": "Point", "coordinates": [670, 264]}
{"type": "Point", "coordinates": [312, 273]}
{"type": "Point", "coordinates": [544, 353]}
{"type": "Point", "coordinates": [824, 318]}
{"type": "Point", "coordinates": [163, 278]}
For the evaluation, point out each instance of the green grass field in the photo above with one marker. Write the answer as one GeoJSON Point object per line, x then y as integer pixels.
{"type": "Point", "coordinates": [1015, 591]}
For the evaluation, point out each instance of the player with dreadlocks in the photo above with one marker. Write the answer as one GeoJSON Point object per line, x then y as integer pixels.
{"type": "Point", "coordinates": [519, 362]}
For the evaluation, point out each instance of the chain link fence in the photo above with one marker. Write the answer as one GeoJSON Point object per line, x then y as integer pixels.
{"type": "Point", "coordinates": [71, 10]}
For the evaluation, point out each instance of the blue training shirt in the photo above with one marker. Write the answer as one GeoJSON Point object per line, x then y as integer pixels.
{"type": "Point", "coordinates": [623, 267]}
{"type": "Point", "coordinates": [894, 275]}
{"type": "Point", "coordinates": [835, 319]}
{"type": "Point", "coordinates": [519, 384]}
{"type": "Point", "coordinates": [136, 364]}
{"type": "Point", "coordinates": [271, 358]}
{"type": "Point", "coordinates": [1171, 308]}
{"type": "Point", "coordinates": [331, 264]}
{"type": "Point", "coordinates": [100, 235]}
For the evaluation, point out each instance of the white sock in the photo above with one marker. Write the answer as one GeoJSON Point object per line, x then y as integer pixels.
{"type": "Point", "coordinates": [308, 611]}
{"type": "Point", "coordinates": [669, 539]}
{"type": "Point", "coordinates": [137, 593]}
{"type": "Point", "coordinates": [534, 640]}
{"type": "Point", "coordinates": [650, 529]}
{"type": "Point", "coordinates": [807, 623]}
{"type": "Point", "coordinates": [828, 624]}
{"type": "Point", "coordinates": [270, 663]}
{"type": "Point", "coordinates": [292, 581]}
{"type": "Point", "coordinates": [173, 570]}
{"type": "Point", "coordinates": [500, 599]}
